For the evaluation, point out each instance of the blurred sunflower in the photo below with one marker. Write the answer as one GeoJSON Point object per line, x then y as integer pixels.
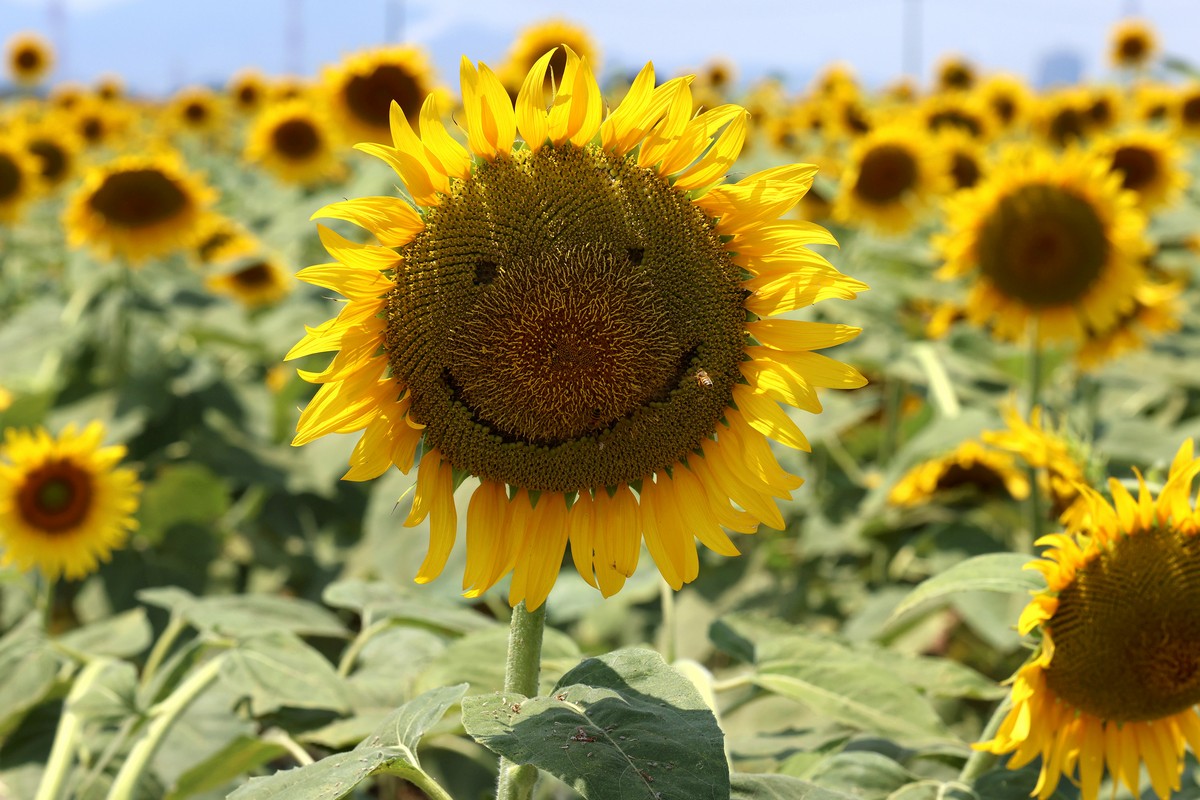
{"type": "Point", "coordinates": [846, 115]}
{"type": "Point", "coordinates": [29, 58]}
{"type": "Point", "coordinates": [18, 177]}
{"type": "Point", "coordinates": [1007, 98]}
{"type": "Point", "coordinates": [1149, 163]}
{"type": "Point", "coordinates": [69, 95]}
{"type": "Point", "coordinates": [964, 112]}
{"type": "Point", "coordinates": [137, 207]}
{"type": "Point", "coordinates": [541, 37]}
{"type": "Point", "coordinates": [964, 158]}
{"type": "Point", "coordinates": [254, 282]}
{"type": "Point", "coordinates": [1061, 118]}
{"type": "Point", "coordinates": [955, 74]}
{"type": "Point", "coordinates": [891, 174]}
{"type": "Point", "coordinates": [1103, 107]}
{"type": "Point", "coordinates": [1060, 463]}
{"type": "Point", "coordinates": [969, 468]}
{"type": "Point", "coordinates": [568, 321]}
{"type": "Point", "coordinates": [55, 147]}
{"type": "Point", "coordinates": [293, 141]}
{"type": "Point", "coordinates": [1157, 309]}
{"type": "Point", "coordinates": [247, 91]}
{"type": "Point", "coordinates": [1115, 680]}
{"type": "Point", "coordinates": [98, 124]}
{"type": "Point", "coordinates": [1188, 110]}
{"type": "Point", "coordinates": [220, 239]}
{"type": "Point", "coordinates": [110, 87]}
{"type": "Point", "coordinates": [1132, 44]}
{"type": "Point", "coordinates": [195, 109]}
{"type": "Point", "coordinates": [1049, 238]}
{"type": "Point", "coordinates": [1154, 103]}
{"type": "Point", "coordinates": [362, 88]}
{"type": "Point", "coordinates": [65, 505]}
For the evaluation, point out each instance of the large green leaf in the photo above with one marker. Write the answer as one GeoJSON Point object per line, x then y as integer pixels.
{"type": "Point", "coordinates": [246, 615]}
{"type": "Point", "coordinates": [243, 754]}
{"type": "Point", "coordinates": [992, 572]}
{"type": "Point", "coordinates": [933, 790]}
{"type": "Point", "coordinates": [392, 748]}
{"type": "Point", "coordinates": [28, 669]}
{"type": "Point", "coordinates": [378, 600]}
{"type": "Point", "coordinates": [478, 659]}
{"type": "Point", "coordinates": [279, 670]}
{"type": "Point", "coordinates": [868, 775]}
{"type": "Point", "coordinates": [122, 636]}
{"type": "Point", "coordinates": [618, 727]}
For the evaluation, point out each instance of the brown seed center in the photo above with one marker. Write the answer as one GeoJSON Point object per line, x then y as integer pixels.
{"type": "Point", "coordinates": [885, 174]}
{"type": "Point", "coordinates": [370, 96]}
{"type": "Point", "coordinates": [296, 139]}
{"type": "Point", "coordinates": [138, 198]}
{"type": "Point", "coordinates": [1137, 165]}
{"type": "Point", "coordinates": [55, 497]}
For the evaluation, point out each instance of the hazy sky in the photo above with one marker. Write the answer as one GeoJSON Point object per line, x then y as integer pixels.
{"type": "Point", "coordinates": [158, 45]}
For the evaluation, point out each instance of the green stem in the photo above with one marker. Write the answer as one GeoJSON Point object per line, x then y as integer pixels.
{"type": "Point", "coordinates": [981, 761]}
{"type": "Point", "coordinates": [174, 627]}
{"type": "Point", "coordinates": [521, 672]}
{"type": "Point", "coordinates": [432, 789]}
{"type": "Point", "coordinates": [46, 600]}
{"type": "Point", "coordinates": [163, 716]}
{"type": "Point", "coordinates": [1036, 512]}
{"type": "Point", "coordinates": [69, 726]}
{"type": "Point", "coordinates": [667, 598]}
{"type": "Point", "coordinates": [893, 400]}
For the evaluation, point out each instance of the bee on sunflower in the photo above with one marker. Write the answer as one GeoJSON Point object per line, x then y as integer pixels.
{"type": "Point", "coordinates": [545, 323]}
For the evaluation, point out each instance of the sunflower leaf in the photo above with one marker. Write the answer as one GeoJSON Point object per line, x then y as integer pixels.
{"type": "Point", "coordinates": [990, 572]}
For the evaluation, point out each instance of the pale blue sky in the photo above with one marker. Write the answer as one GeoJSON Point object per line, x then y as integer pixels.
{"type": "Point", "coordinates": [158, 45]}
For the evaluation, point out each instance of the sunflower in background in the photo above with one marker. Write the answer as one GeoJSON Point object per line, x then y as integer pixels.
{"type": "Point", "coordinates": [1187, 120]}
{"type": "Point", "coordinates": [1132, 44]}
{"type": "Point", "coordinates": [891, 175]}
{"type": "Point", "coordinates": [964, 112]}
{"type": "Point", "coordinates": [1154, 103]}
{"type": "Point", "coordinates": [65, 504]}
{"type": "Point", "coordinates": [969, 468]}
{"type": "Point", "coordinates": [1115, 679]}
{"type": "Point", "coordinates": [68, 95]}
{"type": "Point", "coordinates": [955, 74]}
{"type": "Point", "coordinates": [1007, 99]}
{"type": "Point", "coordinates": [195, 110]}
{"type": "Point", "coordinates": [220, 239]}
{"type": "Point", "coordinates": [295, 142]}
{"type": "Point", "coordinates": [361, 89]}
{"type": "Point", "coordinates": [18, 177]}
{"type": "Point", "coordinates": [1149, 163]}
{"type": "Point", "coordinates": [1157, 309]}
{"type": "Point", "coordinates": [567, 320]}
{"type": "Point", "coordinates": [964, 157]}
{"type": "Point", "coordinates": [1103, 108]}
{"type": "Point", "coordinates": [247, 91]}
{"type": "Point", "coordinates": [28, 58]}
{"type": "Point", "coordinates": [254, 282]}
{"type": "Point", "coordinates": [1060, 461]}
{"type": "Point", "coordinates": [110, 88]}
{"type": "Point", "coordinates": [1061, 118]}
{"type": "Point", "coordinates": [137, 207]}
{"type": "Point", "coordinates": [535, 40]}
{"type": "Point", "coordinates": [55, 147]}
{"type": "Point", "coordinates": [1051, 241]}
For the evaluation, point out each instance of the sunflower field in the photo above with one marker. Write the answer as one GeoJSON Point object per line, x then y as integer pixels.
{"type": "Point", "coordinates": [560, 432]}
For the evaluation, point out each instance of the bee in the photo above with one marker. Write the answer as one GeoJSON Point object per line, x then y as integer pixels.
{"type": "Point", "coordinates": [702, 379]}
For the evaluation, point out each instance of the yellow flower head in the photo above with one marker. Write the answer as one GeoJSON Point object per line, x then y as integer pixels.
{"type": "Point", "coordinates": [137, 207]}
{"type": "Point", "coordinates": [1048, 238]}
{"type": "Point", "coordinates": [1157, 309]}
{"type": "Point", "coordinates": [1116, 678]}
{"type": "Point", "coordinates": [18, 177]}
{"type": "Point", "coordinates": [1132, 44]}
{"type": "Point", "coordinates": [254, 282]}
{"type": "Point", "coordinates": [955, 74]}
{"type": "Point", "coordinates": [970, 467]}
{"type": "Point", "coordinates": [29, 58]}
{"type": "Point", "coordinates": [582, 319]}
{"type": "Point", "coordinates": [294, 142]}
{"type": "Point", "coordinates": [361, 90]}
{"type": "Point", "coordinates": [54, 146]}
{"type": "Point", "coordinates": [1007, 99]}
{"type": "Point", "coordinates": [1150, 164]}
{"type": "Point", "coordinates": [891, 175]}
{"type": "Point", "coordinates": [65, 505]}
{"type": "Point", "coordinates": [537, 39]}
{"type": "Point", "coordinates": [1188, 110]}
{"type": "Point", "coordinates": [220, 239]}
{"type": "Point", "coordinates": [248, 90]}
{"type": "Point", "coordinates": [196, 109]}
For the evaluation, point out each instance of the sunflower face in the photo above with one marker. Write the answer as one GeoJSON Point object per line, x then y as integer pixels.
{"type": "Point", "coordinates": [566, 348]}
{"type": "Point", "coordinates": [570, 321]}
{"type": "Point", "coordinates": [363, 89]}
{"type": "Point", "coordinates": [970, 469]}
{"type": "Point", "coordinates": [1148, 163]}
{"type": "Point", "coordinates": [543, 37]}
{"type": "Point", "coordinates": [29, 58]}
{"type": "Point", "coordinates": [1117, 677]}
{"type": "Point", "coordinates": [1133, 44]}
{"type": "Point", "coordinates": [885, 174]}
{"type": "Point", "coordinates": [64, 504]}
{"type": "Point", "coordinates": [294, 142]}
{"type": "Point", "coordinates": [137, 207]}
{"type": "Point", "coordinates": [891, 174]}
{"type": "Point", "coordinates": [255, 283]}
{"type": "Point", "coordinates": [1050, 239]}
{"type": "Point", "coordinates": [956, 74]}
{"type": "Point", "coordinates": [18, 173]}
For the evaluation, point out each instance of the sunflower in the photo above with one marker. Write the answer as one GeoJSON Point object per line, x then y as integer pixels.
{"type": "Point", "coordinates": [18, 177]}
{"type": "Point", "coordinates": [1103, 107]}
{"type": "Point", "coordinates": [536, 39]}
{"type": "Point", "coordinates": [1007, 99]}
{"type": "Point", "coordinates": [955, 74]}
{"type": "Point", "coordinates": [67, 96]}
{"type": "Point", "coordinates": [96, 123]}
{"type": "Point", "coordinates": [220, 239]}
{"type": "Point", "coordinates": [247, 91]}
{"type": "Point", "coordinates": [255, 282]}
{"type": "Point", "coordinates": [137, 207]}
{"type": "Point", "coordinates": [583, 323]}
{"type": "Point", "coordinates": [55, 148]}
{"type": "Point", "coordinates": [1157, 309]}
{"type": "Point", "coordinates": [963, 156]}
{"type": "Point", "coordinates": [1188, 110]}
{"type": "Point", "coordinates": [960, 111]}
{"type": "Point", "coordinates": [294, 141]}
{"type": "Point", "coordinates": [110, 88]}
{"type": "Point", "coordinates": [1060, 463]}
{"type": "Point", "coordinates": [1115, 679]}
{"type": "Point", "coordinates": [1132, 44]}
{"type": "Point", "coordinates": [195, 109]}
{"type": "Point", "coordinates": [65, 505]}
{"type": "Point", "coordinates": [362, 88]}
{"type": "Point", "coordinates": [1150, 164]}
{"type": "Point", "coordinates": [846, 114]}
{"type": "Point", "coordinates": [969, 468]}
{"type": "Point", "coordinates": [891, 174]}
{"type": "Point", "coordinates": [29, 58]}
{"type": "Point", "coordinates": [1062, 117]}
{"type": "Point", "coordinates": [1154, 103]}
{"type": "Point", "coordinates": [1049, 238]}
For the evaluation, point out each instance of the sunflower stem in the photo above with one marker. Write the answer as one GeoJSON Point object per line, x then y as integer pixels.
{"type": "Point", "coordinates": [175, 626]}
{"type": "Point", "coordinates": [981, 761]}
{"type": "Point", "coordinates": [893, 400]}
{"type": "Point", "coordinates": [1035, 397]}
{"type": "Point", "coordinates": [521, 672]}
{"type": "Point", "coordinates": [163, 717]}
{"type": "Point", "coordinates": [46, 601]}
{"type": "Point", "coordinates": [65, 737]}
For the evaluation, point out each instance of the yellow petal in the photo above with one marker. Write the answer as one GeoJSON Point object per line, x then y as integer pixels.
{"type": "Point", "coordinates": [791, 334]}
{"type": "Point", "coordinates": [581, 530]}
{"type": "Point", "coordinates": [442, 150]}
{"type": "Point", "coordinates": [393, 221]}
{"type": "Point", "coordinates": [367, 257]}
{"type": "Point", "coordinates": [719, 160]}
{"type": "Point", "coordinates": [768, 418]}
{"type": "Point", "coordinates": [531, 104]}
{"type": "Point", "coordinates": [443, 522]}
